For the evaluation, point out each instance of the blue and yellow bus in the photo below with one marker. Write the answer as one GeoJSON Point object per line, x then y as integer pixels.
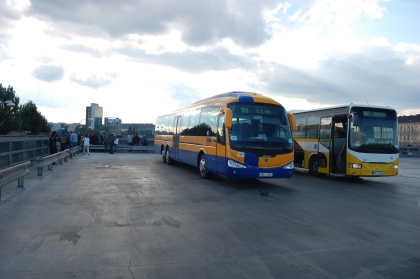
{"type": "Point", "coordinates": [350, 140]}
{"type": "Point", "coordinates": [234, 135]}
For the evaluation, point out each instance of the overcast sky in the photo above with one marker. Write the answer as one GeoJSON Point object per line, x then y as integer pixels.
{"type": "Point", "coordinates": [141, 58]}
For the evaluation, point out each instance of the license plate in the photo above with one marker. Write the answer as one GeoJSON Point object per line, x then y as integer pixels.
{"type": "Point", "coordinates": [266, 174]}
{"type": "Point", "coordinates": [377, 173]}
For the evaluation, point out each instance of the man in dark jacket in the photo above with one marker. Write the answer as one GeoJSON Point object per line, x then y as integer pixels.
{"type": "Point", "coordinates": [144, 140]}
{"type": "Point", "coordinates": [136, 140]}
{"type": "Point", "coordinates": [111, 140]}
{"type": "Point", "coordinates": [53, 142]}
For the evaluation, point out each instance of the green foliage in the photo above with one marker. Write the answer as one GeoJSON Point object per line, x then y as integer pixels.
{"type": "Point", "coordinates": [24, 117]}
{"type": "Point", "coordinates": [33, 120]}
{"type": "Point", "coordinates": [10, 117]}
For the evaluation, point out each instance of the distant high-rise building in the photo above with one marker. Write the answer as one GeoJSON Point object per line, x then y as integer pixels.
{"type": "Point", "coordinates": [95, 113]}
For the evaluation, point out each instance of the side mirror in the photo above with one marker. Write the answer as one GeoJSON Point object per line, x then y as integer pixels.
{"type": "Point", "coordinates": [228, 117]}
{"type": "Point", "coordinates": [292, 121]}
{"type": "Point", "coordinates": [355, 116]}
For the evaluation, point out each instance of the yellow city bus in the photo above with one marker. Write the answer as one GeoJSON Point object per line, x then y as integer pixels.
{"type": "Point", "coordinates": [234, 135]}
{"type": "Point", "coordinates": [351, 140]}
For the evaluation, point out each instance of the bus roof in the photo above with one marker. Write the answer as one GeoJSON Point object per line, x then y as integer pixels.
{"type": "Point", "coordinates": [347, 107]}
{"type": "Point", "coordinates": [237, 96]}
{"type": "Point", "coordinates": [229, 97]}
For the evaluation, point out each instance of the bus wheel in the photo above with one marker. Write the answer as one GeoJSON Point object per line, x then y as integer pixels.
{"type": "Point", "coordinates": [202, 168]}
{"type": "Point", "coordinates": [164, 155]}
{"type": "Point", "coordinates": [169, 161]}
{"type": "Point", "coordinates": [313, 168]}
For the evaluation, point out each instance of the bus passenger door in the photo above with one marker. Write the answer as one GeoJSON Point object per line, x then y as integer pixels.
{"type": "Point", "coordinates": [177, 131]}
{"type": "Point", "coordinates": [324, 144]}
{"type": "Point", "coordinates": [221, 146]}
{"type": "Point", "coordinates": [338, 145]}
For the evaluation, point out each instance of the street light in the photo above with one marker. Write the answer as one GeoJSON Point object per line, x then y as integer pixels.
{"type": "Point", "coordinates": [8, 103]}
{"type": "Point", "coordinates": [88, 119]}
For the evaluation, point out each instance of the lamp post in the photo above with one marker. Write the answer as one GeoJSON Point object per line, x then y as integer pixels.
{"type": "Point", "coordinates": [8, 103]}
{"type": "Point", "coordinates": [86, 123]}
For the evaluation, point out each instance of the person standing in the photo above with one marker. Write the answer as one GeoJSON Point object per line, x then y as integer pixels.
{"type": "Point", "coordinates": [111, 143]}
{"type": "Point", "coordinates": [86, 143]}
{"type": "Point", "coordinates": [116, 142]}
{"type": "Point", "coordinates": [73, 139]}
{"type": "Point", "coordinates": [144, 140]}
{"type": "Point", "coordinates": [106, 141]}
{"type": "Point", "coordinates": [52, 143]}
{"type": "Point", "coordinates": [136, 140]}
{"type": "Point", "coordinates": [130, 140]}
{"type": "Point", "coordinates": [63, 139]}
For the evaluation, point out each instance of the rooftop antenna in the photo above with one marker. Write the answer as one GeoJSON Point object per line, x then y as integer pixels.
{"type": "Point", "coordinates": [366, 101]}
{"type": "Point", "coordinates": [253, 87]}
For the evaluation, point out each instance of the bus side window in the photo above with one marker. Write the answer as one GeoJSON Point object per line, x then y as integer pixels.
{"type": "Point", "coordinates": [208, 121]}
{"type": "Point", "coordinates": [221, 130]}
{"type": "Point", "coordinates": [158, 124]}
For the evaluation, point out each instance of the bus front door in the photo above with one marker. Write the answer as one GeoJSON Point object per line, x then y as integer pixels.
{"type": "Point", "coordinates": [221, 146]}
{"type": "Point", "coordinates": [324, 144]}
{"type": "Point", "coordinates": [339, 146]}
{"type": "Point", "coordinates": [177, 131]}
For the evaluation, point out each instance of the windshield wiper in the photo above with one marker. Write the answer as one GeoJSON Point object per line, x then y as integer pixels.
{"type": "Point", "coordinates": [383, 146]}
{"type": "Point", "coordinates": [266, 148]}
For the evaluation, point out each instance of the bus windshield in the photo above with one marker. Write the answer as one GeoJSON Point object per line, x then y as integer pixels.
{"type": "Point", "coordinates": [376, 132]}
{"type": "Point", "coordinates": [260, 128]}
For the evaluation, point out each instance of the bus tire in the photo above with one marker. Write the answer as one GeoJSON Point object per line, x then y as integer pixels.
{"type": "Point", "coordinates": [164, 155]}
{"type": "Point", "coordinates": [313, 167]}
{"type": "Point", "coordinates": [202, 167]}
{"type": "Point", "coordinates": [169, 160]}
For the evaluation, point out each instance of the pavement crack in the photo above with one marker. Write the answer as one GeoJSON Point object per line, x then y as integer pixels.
{"type": "Point", "coordinates": [129, 270]}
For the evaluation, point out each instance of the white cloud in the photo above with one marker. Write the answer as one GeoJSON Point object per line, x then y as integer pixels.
{"type": "Point", "coordinates": [139, 61]}
{"type": "Point", "coordinates": [49, 72]}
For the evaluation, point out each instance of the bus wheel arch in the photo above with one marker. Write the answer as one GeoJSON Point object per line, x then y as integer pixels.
{"type": "Point", "coordinates": [204, 173]}
{"type": "Point", "coordinates": [313, 167]}
{"type": "Point", "coordinates": [163, 153]}
{"type": "Point", "coordinates": [168, 158]}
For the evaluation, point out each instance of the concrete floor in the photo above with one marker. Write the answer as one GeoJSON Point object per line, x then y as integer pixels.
{"type": "Point", "coordinates": [131, 216]}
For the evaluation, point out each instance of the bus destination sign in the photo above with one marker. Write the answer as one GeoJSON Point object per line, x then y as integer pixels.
{"type": "Point", "coordinates": [260, 111]}
{"type": "Point", "coordinates": [374, 113]}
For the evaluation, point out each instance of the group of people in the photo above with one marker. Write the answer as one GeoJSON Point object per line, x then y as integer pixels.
{"type": "Point", "coordinates": [136, 140]}
{"type": "Point", "coordinates": [65, 140]}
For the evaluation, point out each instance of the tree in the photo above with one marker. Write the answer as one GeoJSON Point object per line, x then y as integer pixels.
{"type": "Point", "coordinates": [33, 120]}
{"type": "Point", "coordinates": [9, 115]}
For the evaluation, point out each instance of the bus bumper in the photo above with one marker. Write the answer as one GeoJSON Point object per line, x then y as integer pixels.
{"type": "Point", "coordinates": [374, 170]}
{"type": "Point", "coordinates": [256, 172]}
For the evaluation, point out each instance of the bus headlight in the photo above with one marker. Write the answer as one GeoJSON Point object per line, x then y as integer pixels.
{"type": "Point", "coordinates": [235, 165]}
{"type": "Point", "coordinates": [355, 166]}
{"type": "Point", "coordinates": [395, 167]}
{"type": "Point", "coordinates": [289, 166]}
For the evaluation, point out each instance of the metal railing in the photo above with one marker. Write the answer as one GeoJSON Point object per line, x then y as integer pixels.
{"type": "Point", "coordinates": [12, 173]}
{"type": "Point", "coordinates": [41, 162]}
{"type": "Point", "coordinates": [409, 150]}
{"type": "Point", "coordinates": [16, 149]}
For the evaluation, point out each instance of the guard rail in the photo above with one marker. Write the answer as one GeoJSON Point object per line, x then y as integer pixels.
{"type": "Point", "coordinates": [12, 173]}
{"type": "Point", "coordinates": [409, 150]}
{"type": "Point", "coordinates": [125, 148]}
{"type": "Point", "coordinates": [41, 162]}
{"type": "Point", "coordinates": [74, 150]}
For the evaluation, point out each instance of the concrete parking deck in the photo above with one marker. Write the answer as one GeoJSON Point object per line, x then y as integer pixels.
{"type": "Point", "coordinates": [131, 216]}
